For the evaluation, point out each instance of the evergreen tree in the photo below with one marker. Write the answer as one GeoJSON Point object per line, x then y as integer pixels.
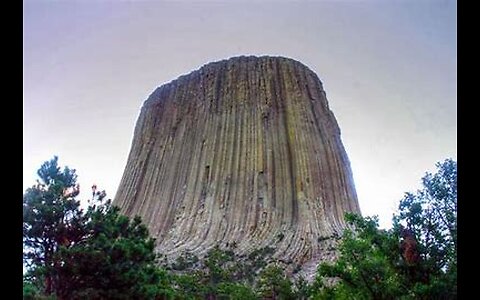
{"type": "Point", "coordinates": [427, 225]}
{"type": "Point", "coordinates": [273, 284]}
{"type": "Point", "coordinates": [98, 253]}
{"type": "Point", "coordinates": [75, 254]}
{"type": "Point", "coordinates": [365, 268]}
{"type": "Point", "coordinates": [416, 259]}
{"type": "Point", "coordinates": [51, 219]}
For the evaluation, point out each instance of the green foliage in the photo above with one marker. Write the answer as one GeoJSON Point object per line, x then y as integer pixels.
{"type": "Point", "coordinates": [222, 274]}
{"type": "Point", "coordinates": [431, 216]}
{"type": "Point", "coordinates": [51, 218]}
{"type": "Point", "coordinates": [219, 274]}
{"type": "Point", "coordinates": [273, 284]}
{"type": "Point", "coordinates": [97, 253]}
{"type": "Point", "coordinates": [416, 259]}
{"type": "Point", "coordinates": [235, 291]}
{"type": "Point", "coordinates": [301, 289]}
{"type": "Point", "coordinates": [31, 292]}
{"type": "Point", "coordinates": [218, 265]}
{"type": "Point", "coordinates": [256, 261]}
{"type": "Point", "coordinates": [116, 260]}
{"type": "Point", "coordinates": [184, 262]}
{"type": "Point", "coordinates": [365, 264]}
{"type": "Point", "coordinates": [187, 286]}
{"type": "Point", "coordinates": [77, 254]}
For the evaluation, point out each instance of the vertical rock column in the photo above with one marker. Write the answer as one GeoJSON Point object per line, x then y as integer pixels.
{"type": "Point", "coordinates": [242, 150]}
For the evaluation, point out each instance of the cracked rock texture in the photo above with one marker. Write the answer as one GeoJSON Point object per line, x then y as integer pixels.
{"type": "Point", "coordinates": [244, 152]}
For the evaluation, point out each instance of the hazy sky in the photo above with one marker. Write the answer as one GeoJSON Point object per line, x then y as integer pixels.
{"type": "Point", "coordinates": [389, 69]}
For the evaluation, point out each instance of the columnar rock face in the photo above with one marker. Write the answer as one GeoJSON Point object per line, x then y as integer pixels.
{"type": "Point", "coordinates": [241, 152]}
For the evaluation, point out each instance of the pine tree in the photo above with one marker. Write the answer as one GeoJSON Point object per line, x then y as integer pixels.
{"type": "Point", "coordinates": [416, 259]}
{"type": "Point", "coordinates": [75, 254]}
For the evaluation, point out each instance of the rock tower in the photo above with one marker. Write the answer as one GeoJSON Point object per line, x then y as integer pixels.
{"type": "Point", "coordinates": [243, 151]}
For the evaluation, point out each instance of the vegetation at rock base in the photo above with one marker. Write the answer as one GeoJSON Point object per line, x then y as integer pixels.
{"type": "Point", "coordinates": [71, 253]}
{"type": "Point", "coordinates": [97, 253]}
{"type": "Point", "coordinates": [416, 259]}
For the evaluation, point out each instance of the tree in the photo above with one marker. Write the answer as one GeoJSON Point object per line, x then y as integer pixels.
{"type": "Point", "coordinates": [302, 289]}
{"type": "Point", "coordinates": [428, 219]}
{"type": "Point", "coordinates": [273, 284]}
{"type": "Point", "coordinates": [235, 291]}
{"type": "Point", "coordinates": [365, 267]}
{"type": "Point", "coordinates": [116, 261]}
{"type": "Point", "coordinates": [221, 274]}
{"type": "Point", "coordinates": [416, 259]}
{"type": "Point", "coordinates": [77, 254]}
{"type": "Point", "coordinates": [51, 218]}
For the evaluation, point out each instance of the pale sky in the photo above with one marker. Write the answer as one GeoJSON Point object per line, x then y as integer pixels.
{"type": "Point", "coordinates": [389, 69]}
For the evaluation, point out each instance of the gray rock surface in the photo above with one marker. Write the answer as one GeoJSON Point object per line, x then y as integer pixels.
{"type": "Point", "coordinates": [241, 151]}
